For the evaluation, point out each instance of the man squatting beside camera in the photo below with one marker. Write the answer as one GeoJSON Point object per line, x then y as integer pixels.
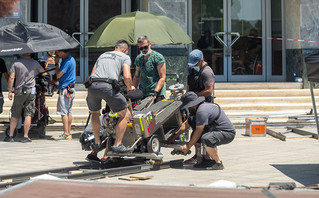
{"type": "Point", "coordinates": [213, 128]}
{"type": "Point", "coordinates": [104, 76]}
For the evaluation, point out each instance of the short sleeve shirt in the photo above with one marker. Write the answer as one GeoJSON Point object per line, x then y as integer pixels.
{"type": "Point", "coordinates": [3, 69]}
{"type": "Point", "coordinates": [68, 66]}
{"type": "Point", "coordinates": [110, 65]}
{"type": "Point", "coordinates": [205, 77]}
{"type": "Point", "coordinates": [149, 74]}
{"type": "Point", "coordinates": [24, 69]}
{"type": "Point", "coordinates": [207, 113]}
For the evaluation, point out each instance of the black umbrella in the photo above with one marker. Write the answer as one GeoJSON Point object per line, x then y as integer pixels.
{"type": "Point", "coordinates": [31, 37]}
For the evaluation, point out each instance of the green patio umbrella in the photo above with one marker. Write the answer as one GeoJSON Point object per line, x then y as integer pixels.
{"type": "Point", "coordinates": [161, 30]}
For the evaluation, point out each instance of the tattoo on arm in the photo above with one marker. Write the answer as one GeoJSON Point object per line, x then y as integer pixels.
{"type": "Point", "coordinates": [208, 85]}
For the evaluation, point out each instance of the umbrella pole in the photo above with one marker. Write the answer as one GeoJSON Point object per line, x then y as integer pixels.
{"type": "Point", "coordinates": [314, 105]}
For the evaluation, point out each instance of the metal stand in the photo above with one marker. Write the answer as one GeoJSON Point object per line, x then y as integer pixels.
{"type": "Point", "coordinates": [314, 105]}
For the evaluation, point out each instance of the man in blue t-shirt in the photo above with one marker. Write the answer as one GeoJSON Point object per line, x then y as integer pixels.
{"type": "Point", "coordinates": [66, 75]}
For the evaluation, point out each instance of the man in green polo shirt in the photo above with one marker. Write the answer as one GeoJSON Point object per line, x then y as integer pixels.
{"type": "Point", "coordinates": [150, 73]}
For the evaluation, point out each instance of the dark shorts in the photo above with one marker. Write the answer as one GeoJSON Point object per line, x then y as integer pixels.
{"type": "Point", "coordinates": [101, 90]}
{"type": "Point", "coordinates": [217, 138]}
{"type": "Point", "coordinates": [21, 100]}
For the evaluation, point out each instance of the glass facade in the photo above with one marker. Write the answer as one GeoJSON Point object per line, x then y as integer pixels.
{"type": "Point", "coordinates": [10, 12]}
{"type": "Point", "coordinates": [246, 19]}
{"type": "Point", "coordinates": [250, 58]}
{"type": "Point", "coordinates": [276, 32]}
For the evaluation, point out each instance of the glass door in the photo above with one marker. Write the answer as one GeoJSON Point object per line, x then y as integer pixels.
{"type": "Point", "coordinates": [246, 58]}
{"type": "Point", "coordinates": [229, 34]}
{"type": "Point", "coordinates": [80, 18]}
{"type": "Point", "coordinates": [67, 16]}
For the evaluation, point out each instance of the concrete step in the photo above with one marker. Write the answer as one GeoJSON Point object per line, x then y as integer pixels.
{"type": "Point", "coordinates": [265, 93]}
{"type": "Point", "coordinates": [257, 85]}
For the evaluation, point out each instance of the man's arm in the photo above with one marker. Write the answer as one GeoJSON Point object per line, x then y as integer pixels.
{"type": "Point", "coordinates": [137, 76]}
{"type": "Point", "coordinates": [208, 91]}
{"type": "Point", "coordinates": [93, 70]}
{"type": "Point", "coordinates": [10, 85]}
{"type": "Point", "coordinates": [184, 127]}
{"type": "Point", "coordinates": [59, 73]}
{"type": "Point", "coordinates": [198, 132]}
{"type": "Point", "coordinates": [161, 69]}
{"type": "Point", "coordinates": [127, 77]}
{"type": "Point", "coordinates": [6, 76]}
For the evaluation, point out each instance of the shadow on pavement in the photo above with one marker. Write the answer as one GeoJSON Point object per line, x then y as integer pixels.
{"type": "Point", "coordinates": [306, 174]}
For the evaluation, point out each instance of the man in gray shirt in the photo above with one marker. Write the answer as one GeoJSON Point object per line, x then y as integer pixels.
{"type": "Point", "coordinates": [105, 73]}
{"type": "Point", "coordinates": [213, 128]}
{"type": "Point", "coordinates": [23, 71]}
{"type": "Point", "coordinates": [201, 80]}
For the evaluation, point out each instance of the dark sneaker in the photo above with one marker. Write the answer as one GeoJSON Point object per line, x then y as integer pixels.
{"type": "Point", "coordinates": [92, 158]}
{"type": "Point", "coordinates": [121, 149]}
{"type": "Point", "coordinates": [216, 166]}
{"type": "Point", "coordinates": [8, 139]}
{"type": "Point", "coordinates": [205, 163]}
{"type": "Point", "coordinates": [192, 160]}
{"type": "Point", "coordinates": [25, 140]}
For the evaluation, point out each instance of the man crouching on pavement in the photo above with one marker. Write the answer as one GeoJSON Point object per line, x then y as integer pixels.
{"type": "Point", "coordinates": [212, 126]}
{"type": "Point", "coordinates": [104, 76]}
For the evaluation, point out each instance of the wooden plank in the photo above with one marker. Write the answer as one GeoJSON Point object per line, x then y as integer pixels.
{"type": "Point", "coordinates": [276, 135]}
{"type": "Point", "coordinates": [128, 178]}
{"type": "Point", "coordinates": [6, 181]}
{"type": "Point", "coordinates": [75, 171]}
{"type": "Point", "coordinates": [142, 177]}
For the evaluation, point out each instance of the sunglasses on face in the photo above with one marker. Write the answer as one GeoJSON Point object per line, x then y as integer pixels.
{"type": "Point", "coordinates": [143, 48]}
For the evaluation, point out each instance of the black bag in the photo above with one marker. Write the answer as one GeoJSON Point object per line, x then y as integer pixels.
{"type": "Point", "coordinates": [116, 85]}
{"type": "Point", "coordinates": [88, 82]}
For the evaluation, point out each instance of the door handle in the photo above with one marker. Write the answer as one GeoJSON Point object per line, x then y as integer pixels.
{"type": "Point", "coordinates": [228, 47]}
{"type": "Point", "coordinates": [79, 33]}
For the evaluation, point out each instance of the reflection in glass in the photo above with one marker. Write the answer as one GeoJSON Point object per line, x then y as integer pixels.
{"type": "Point", "coordinates": [99, 12]}
{"type": "Point", "coordinates": [247, 51]}
{"type": "Point", "coordinates": [276, 31]}
{"type": "Point", "coordinates": [66, 16]}
{"type": "Point", "coordinates": [207, 20]}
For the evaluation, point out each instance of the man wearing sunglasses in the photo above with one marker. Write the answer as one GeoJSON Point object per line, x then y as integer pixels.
{"type": "Point", "coordinates": [150, 73]}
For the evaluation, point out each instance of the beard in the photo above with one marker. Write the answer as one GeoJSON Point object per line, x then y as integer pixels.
{"type": "Point", "coordinates": [192, 111]}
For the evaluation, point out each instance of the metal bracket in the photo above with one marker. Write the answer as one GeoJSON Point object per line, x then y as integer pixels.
{"type": "Point", "coordinates": [79, 33]}
{"type": "Point", "coordinates": [228, 47]}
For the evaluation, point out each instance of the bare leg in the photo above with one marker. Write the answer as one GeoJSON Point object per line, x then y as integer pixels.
{"type": "Point", "coordinates": [65, 122]}
{"type": "Point", "coordinates": [69, 123]}
{"type": "Point", "coordinates": [121, 126]}
{"type": "Point", "coordinates": [212, 152]}
{"type": "Point", "coordinates": [96, 125]}
{"type": "Point", "coordinates": [26, 125]}
{"type": "Point", "coordinates": [106, 150]}
{"type": "Point", "coordinates": [13, 125]}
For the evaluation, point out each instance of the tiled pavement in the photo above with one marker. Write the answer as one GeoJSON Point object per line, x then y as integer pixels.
{"type": "Point", "coordinates": [252, 161]}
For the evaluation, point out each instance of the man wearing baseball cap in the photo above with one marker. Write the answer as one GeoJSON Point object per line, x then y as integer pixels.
{"type": "Point", "coordinates": [200, 80]}
{"type": "Point", "coordinates": [203, 84]}
{"type": "Point", "coordinates": [213, 128]}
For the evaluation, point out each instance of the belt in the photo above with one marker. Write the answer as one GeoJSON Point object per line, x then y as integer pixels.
{"type": "Point", "coordinates": [107, 80]}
